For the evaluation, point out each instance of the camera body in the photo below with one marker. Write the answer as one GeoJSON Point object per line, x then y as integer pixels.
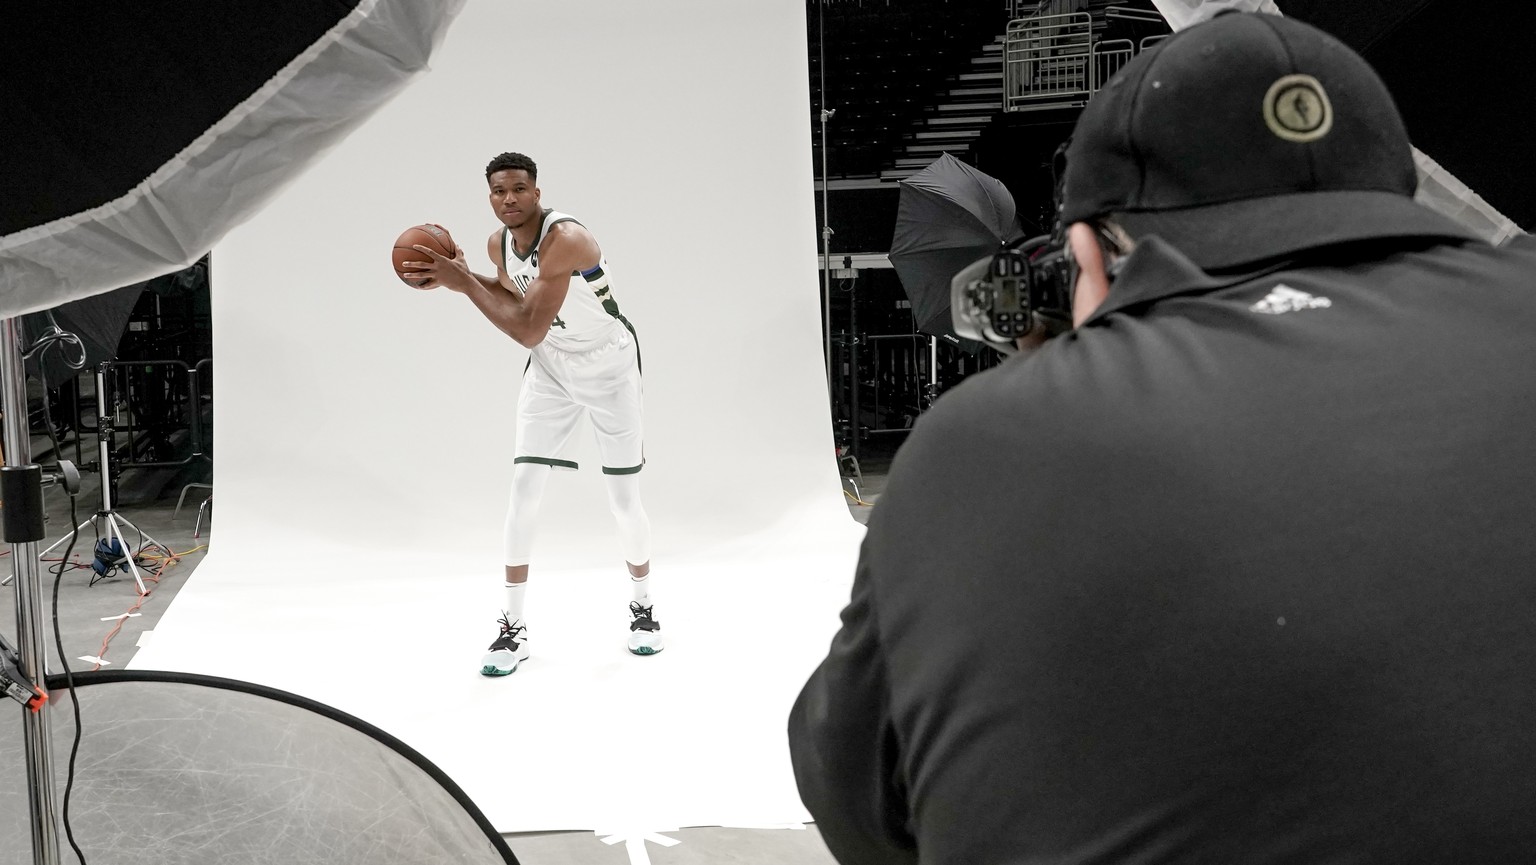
{"type": "Point", "coordinates": [1022, 286]}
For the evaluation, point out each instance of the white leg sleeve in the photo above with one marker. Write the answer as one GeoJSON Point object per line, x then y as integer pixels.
{"type": "Point", "coordinates": [634, 525]}
{"type": "Point", "coordinates": [528, 481]}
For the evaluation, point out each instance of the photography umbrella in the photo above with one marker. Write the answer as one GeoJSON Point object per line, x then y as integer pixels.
{"type": "Point", "coordinates": [138, 135]}
{"type": "Point", "coordinates": [948, 216]}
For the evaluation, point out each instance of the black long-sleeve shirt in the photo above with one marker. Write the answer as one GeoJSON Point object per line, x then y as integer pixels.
{"type": "Point", "coordinates": [1242, 570]}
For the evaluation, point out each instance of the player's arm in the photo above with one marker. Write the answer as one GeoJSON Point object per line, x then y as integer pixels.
{"type": "Point", "coordinates": [526, 317]}
{"type": "Point", "coordinates": [494, 251]}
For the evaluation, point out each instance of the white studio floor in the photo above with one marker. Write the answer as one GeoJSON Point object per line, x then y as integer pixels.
{"type": "Point", "coordinates": [584, 735]}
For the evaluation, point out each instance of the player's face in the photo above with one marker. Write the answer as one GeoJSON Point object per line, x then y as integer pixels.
{"type": "Point", "coordinates": [513, 196]}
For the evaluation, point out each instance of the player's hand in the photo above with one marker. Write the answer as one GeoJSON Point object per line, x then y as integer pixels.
{"type": "Point", "coordinates": [440, 270]}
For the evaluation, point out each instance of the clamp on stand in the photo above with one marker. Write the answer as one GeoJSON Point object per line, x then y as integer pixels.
{"type": "Point", "coordinates": [69, 476]}
{"type": "Point", "coordinates": [15, 684]}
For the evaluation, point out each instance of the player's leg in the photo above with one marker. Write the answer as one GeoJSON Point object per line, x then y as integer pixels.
{"type": "Point", "coordinates": [635, 542]}
{"type": "Point", "coordinates": [614, 404]}
{"type": "Point", "coordinates": [546, 420]}
{"type": "Point", "coordinates": [511, 645]}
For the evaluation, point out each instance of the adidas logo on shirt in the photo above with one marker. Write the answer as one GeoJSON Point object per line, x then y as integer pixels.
{"type": "Point", "coordinates": [1283, 298]}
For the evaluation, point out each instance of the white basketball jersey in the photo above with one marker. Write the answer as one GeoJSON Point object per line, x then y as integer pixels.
{"type": "Point", "coordinates": [589, 314]}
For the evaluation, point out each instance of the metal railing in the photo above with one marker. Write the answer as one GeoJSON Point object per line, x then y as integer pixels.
{"type": "Point", "coordinates": [1055, 61]}
{"type": "Point", "coordinates": [156, 405]}
{"type": "Point", "coordinates": [1130, 13]}
{"type": "Point", "coordinates": [167, 399]}
{"type": "Point", "coordinates": [1047, 61]}
{"type": "Point", "coordinates": [1032, 8]}
{"type": "Point", "coordinates": [900, 376]}
{"type": "Point", "coordinates": [1109, 57]}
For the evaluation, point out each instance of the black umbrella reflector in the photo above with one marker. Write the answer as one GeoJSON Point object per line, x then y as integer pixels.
{"type": "Point", "coordinates": [139, 133]}
{"type": "Point", "coordinates": [948, 216]}
{"type": "Point", "coordinates": [178, 769]}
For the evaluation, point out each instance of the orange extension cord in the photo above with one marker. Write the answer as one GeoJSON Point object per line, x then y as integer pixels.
{"type": "Point", "coordinates": [151, 576]}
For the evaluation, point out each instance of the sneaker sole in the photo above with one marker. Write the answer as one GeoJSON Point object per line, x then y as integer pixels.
{"type": "Point", "coordinates": [490, 666]}
{"type": "Point", "coordinates": [647, 649]}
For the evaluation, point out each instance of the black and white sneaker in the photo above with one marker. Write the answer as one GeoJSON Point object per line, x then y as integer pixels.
{"type": "Point", "coordinates": [509, 648]}
{"type": "Point", "coordinates": [644, 630]}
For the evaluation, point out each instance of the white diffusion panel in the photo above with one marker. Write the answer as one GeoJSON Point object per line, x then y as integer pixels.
{"type": "Point", "coordinates": [365, 429]}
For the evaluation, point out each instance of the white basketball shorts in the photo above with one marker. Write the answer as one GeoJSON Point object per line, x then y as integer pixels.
{"type": "Point", "coordinates": [602, 383]}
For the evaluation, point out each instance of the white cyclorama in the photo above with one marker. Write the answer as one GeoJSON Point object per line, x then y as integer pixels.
{"type": "Point", "coordinates": [364, 429]}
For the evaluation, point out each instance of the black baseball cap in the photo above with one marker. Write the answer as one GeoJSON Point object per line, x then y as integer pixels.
{"type": "Point", "coordinates": [1245, 138]}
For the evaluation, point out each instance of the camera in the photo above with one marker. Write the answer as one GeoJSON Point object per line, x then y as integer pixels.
{"type": "Point", "coordinates": [1024, 285]}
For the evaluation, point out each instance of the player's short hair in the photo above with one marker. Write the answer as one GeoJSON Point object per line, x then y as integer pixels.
{"type": "Point", "coordinates": [512, 161]}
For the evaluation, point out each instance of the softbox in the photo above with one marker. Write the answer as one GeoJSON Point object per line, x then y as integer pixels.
{"type": "Point", "coordinates": [139, 133]}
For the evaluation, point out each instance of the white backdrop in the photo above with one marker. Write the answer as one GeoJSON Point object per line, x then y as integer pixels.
{"type": "Point", "coordinates": [678, 132]}
{"type": "Point", "coordinates": [364, 430]}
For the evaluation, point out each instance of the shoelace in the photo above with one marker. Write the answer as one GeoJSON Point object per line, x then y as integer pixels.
{"type": "Point", "coordinates": [508, 630]}
{"type": "Point", "coordinates": [642, 616]}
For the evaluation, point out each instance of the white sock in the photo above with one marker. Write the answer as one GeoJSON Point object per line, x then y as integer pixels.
{"type": "Point", "coordinates": [514, 608]}
{"type": "Point", "coordinates": [642, 586]}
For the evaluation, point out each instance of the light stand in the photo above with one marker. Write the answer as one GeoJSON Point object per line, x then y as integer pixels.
{"type": "Point", "coordinates": [108, 522]}
{"type": "Point", "coordinates": [22, 487]}
{"type": "Point", "coordinates": [848, 466]}
{"type": "Point", "coordinates": [931, 392]}
{"type": "Point", "coordinates": [826, 231]}
{"type": "Point", "coordinates": [826, 227]}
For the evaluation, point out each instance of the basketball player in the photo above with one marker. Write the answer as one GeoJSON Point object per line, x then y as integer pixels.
{"type": "Point", "coordinates": [551, 294]}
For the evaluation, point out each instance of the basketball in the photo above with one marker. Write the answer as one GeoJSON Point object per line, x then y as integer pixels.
{"type": "Point", "coordinates": [433, 237]}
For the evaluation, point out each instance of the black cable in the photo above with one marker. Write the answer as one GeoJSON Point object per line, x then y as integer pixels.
{"type": "Point", "coordinates": [69, 679]}
{"type": "Point", "coordinates": [50, 337]}
{"type": "Point", "coordinates": [58, 642]}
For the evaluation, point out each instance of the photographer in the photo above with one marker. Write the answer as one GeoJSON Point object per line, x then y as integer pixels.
{"type": "Point", "coordinates": [1240, 568]}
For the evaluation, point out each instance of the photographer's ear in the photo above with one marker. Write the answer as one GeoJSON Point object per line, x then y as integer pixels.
{"type": "Point", "coordinates": [1092, 279]}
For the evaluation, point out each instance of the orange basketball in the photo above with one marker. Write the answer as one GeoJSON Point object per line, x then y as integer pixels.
{"type": "Point", "coordinates": [434, 237]}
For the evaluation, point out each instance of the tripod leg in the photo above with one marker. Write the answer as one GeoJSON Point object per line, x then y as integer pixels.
{"type": "Point", "coordinates": [7, 580]}
{"type": "Point", "coordinates": [145, 535]}
{"type": "Point", "coordinates": [114, 530]}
